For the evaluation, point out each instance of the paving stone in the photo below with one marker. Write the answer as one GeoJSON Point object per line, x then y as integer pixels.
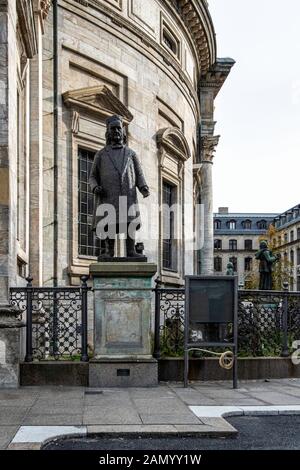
{"type": "Point", "coordinates": [6, 435]}
{"type": "Point", "coordinates": [110, 415]}
{"type": "Point", "coordinates": [12, 415]}
{"type": "Point", "coordinates": [53, 420]}
{"type": "Point", "coordinates": [171, 418]}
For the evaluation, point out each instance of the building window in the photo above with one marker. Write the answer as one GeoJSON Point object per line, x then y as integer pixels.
{"type": "Point", "coordinates": [248, 264]}
{"type": "Point", "coordinates": [233, 260]}
{"type": "Point", "coordinates": [232, 225]}
{"type": "Point", "coordinates": [217, 224]}
{"type": "Point", "coordinates": [247, 224]}
{"type": "Point", "coordinates": [292, 257]}
{"type": "Point", "coordinates": [218, 244]}
{"type": "Point", "coordinates": [169, 242]}
{"type": "Point", "coordinates": [170, 41]}
{"type": "Point", "coordinates": [233, 245]}
{"type": "Point", "coordinates": [292, 236]}
{"type": "Point", "coordinates": [88, 244]}
{"type": "Point", "coordinates": [298, 233]}
{"type": "Point", "coordinates": [248, 245]}
{"type": "Point", "coordinates": [262, 225]}
{"type": "Point", "coordinates": [274, 242]}
{"type": "Point", "coordinates": [286, 238]}
{"type": "Point", "coordinates": [218, 264]}
{"type": "Point", "coordinates": [279, 241]}
{"type": "Point", "coordinates": [298, 256]}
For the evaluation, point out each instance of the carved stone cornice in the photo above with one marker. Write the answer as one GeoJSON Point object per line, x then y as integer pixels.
{"type": "Point", "coordinates": [197, 18]}
{"type": "Point", "coordinates": [97, 100]}
{"type": "Point", "coordinates": [27, 27]}
{"type": "Point", "coordinates": [208, 147]}
{"type": "Point", "coordinates": [216, 75]}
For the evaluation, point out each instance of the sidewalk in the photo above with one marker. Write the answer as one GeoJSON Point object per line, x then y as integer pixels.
{"type": "Point", "coordinates": [168, 409]}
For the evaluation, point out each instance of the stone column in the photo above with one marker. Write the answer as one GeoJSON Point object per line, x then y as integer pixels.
{"type": "Point", "coordinates": [9, 326]}
{"type": "Point", "coordinates": [208, 144]}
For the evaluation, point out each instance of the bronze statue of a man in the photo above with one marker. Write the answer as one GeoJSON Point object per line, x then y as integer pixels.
{"type": "Point", "coordinates": [115, 175]}
{"type": "Point", "coordinates": [266, 263]}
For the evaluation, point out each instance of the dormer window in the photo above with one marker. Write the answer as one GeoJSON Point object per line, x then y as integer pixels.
{"type": "Point", "coordinates": [262, 225]}
{"type": "Point", "coordinates": [247, 224]}
{"type": "Point", "coordinates": [231, 224]}
{"type": "Point", "coordinates": [217, 224]}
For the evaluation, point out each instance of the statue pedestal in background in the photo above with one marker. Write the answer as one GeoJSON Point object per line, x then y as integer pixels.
{"type": "Point", "coordinates": [122, 325]}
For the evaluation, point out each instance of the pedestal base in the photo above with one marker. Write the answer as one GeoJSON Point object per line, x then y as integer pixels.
{"type": "Point", "coordinates": [9, 347]}
{"type": "Point", "coordinates": [111, 372]}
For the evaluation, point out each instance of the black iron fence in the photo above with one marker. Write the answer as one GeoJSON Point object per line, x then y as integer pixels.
{"type": "Point", "coordinates": [268, 323]}
{"type": "Point", "coordinates": [56, 320]}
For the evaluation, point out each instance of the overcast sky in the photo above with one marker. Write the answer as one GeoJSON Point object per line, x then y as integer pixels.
{"type": "Point", "coordinates": [257, 162]}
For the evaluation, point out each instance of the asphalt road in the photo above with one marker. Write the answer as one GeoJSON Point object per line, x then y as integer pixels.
{"type": "Point", "coordinates": [255, 433]}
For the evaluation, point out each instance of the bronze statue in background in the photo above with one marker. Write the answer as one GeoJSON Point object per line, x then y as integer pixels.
{"type": "Point", "coordinates": [266, 265]}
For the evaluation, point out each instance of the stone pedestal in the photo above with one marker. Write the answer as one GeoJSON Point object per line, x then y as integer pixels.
{"type": "Point", "coordinates": [9, 347]}
{"type": "Point", "coordinates": [122, 325]}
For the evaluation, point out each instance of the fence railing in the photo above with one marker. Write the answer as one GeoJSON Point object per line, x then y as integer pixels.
{"type": "Point", "coordinates": [56, 320]}
{"type": "Point", "coordinates": [268, 323]}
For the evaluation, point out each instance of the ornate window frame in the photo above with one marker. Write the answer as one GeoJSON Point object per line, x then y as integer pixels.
{"type": "Point", "coordinates": [173, 152]}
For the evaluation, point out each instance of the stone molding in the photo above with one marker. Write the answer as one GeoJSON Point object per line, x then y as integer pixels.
{"type": "Point", "coordinates": [173, 141]}
{"type": "Point", "coordinates": [27, 27]}
{"type": "Point", "coordinates": [208, 147]}
{"type": "Point", "coordinates": [42, 8]}
{"type": "Point", "coordinates": [97, 100]}
{"type": "Point", "coordinates": [216, 75]}
{"type": "Point", "coordinates": [197, 18]}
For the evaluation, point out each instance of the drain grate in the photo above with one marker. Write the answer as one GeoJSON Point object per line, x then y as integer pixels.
{"type": "Point", "coordinates": [93, 392]}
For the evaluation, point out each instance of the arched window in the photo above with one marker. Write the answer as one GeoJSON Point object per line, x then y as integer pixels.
{"type": "Point", "coordinates": [262, 225]}
{"type": "Point", "coordinates": [298, 233]}
{"type": "Point", "coordinates": [231, 225]}
{"type": "Point", "coordinates": [247, 224]}
{"type": "Point", "coordinates": [217, 224]}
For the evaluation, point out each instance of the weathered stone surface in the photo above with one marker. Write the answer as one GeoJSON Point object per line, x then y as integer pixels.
{"type": "Point", "coordinates": [123, 374]}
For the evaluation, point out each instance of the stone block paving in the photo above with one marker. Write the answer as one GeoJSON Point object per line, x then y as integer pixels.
{"type": "Point", "coordinates": [162, 409]}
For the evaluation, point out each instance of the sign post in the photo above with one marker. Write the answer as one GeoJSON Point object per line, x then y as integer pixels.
{"type": "Point", "coordinates": [210, 316]}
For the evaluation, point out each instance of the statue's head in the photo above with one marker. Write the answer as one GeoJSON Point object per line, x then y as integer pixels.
{"type": "Point", "coordinates": [263, 245]}
{"type": "Point", "coordinates": [115, 132]}
{"type": "Point", "coordinates": [229, 265]}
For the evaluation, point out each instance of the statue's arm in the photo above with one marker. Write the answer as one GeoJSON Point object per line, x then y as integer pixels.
{"type": "Point", "coordinates": [270, 258]}
{"type": "Point", "coordinates": [94, 178]}
{"type": "Point", "coordinates": [140, 179]}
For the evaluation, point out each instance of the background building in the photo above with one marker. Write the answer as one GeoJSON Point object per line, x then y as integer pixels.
{"type": "Point", "coordinates": [287, 242]}
{"type": "Point", "coordinates": [236, 239]}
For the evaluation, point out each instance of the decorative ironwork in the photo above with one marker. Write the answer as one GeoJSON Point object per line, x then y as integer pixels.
{"type": "Point", "coordinates": [268, 323]}
{"type": "Point", "coordinates": [56, 320]}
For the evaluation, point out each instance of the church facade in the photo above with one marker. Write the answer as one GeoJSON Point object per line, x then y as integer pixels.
{"type": "Point", "coordinates": [66, 66]}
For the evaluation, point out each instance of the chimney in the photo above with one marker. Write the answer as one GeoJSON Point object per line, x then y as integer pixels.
{"type": "Point", "coordinates": [223, 210]}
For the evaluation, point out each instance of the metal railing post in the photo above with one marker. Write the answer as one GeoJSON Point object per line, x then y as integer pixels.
{"type": "Point", "coordinates": [29, 356]}
{"type": "Point", "coordinates": [156, 352]}
{"type": "Point", "coordinates": [84, 319]}
{"type": "Point", "coordinates": [285, 348]}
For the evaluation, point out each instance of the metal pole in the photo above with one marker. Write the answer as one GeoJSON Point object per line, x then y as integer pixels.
{"type": "Point", "coordinates": [156, 352]}
{"type": "Point", "coordinates": [84, 319]}
{"type": "Point", "coordinates": [285, 348]}
{"type": "Point", "coordinates": [29, 356]}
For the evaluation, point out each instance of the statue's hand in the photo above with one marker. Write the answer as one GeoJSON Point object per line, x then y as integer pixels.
{"type": "Point", "coordinates": [145, 191]}
{"type": "Point", "coordinates": [99, 190]}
